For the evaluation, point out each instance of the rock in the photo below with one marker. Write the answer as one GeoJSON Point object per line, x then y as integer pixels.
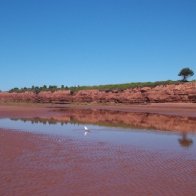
{"type": "Point", "coordinates": [183, 92]}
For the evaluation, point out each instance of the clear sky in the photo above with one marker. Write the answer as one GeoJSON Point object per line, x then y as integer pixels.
{"type": "Point", "coordinates": [89, 42]}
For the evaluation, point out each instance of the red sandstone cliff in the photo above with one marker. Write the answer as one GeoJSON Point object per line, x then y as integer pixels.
{"type": "Point", "coordinates": [184, 92]}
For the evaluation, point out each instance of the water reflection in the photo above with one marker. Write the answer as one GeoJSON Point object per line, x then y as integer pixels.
{"type": "Point", "coordinates": [132, 121]}
{"type": "Point", "coordinates": [118, 119]}
{"type": "Point", "coordinates": [86, 132]}
{"type": "Point", "coordinates": [76, 152]}
{"type": "Point", "coordinates": [185, 141]}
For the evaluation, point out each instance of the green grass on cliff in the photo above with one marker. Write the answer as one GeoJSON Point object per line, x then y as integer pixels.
{"type": "Point", "coordinates": [123, 86]}
{"type": "Point", "coordinates": [106, 87]}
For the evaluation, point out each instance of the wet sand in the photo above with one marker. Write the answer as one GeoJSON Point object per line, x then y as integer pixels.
{"type": "Point", "coordinates": [175, 109]}
{"type": "Point", "coordinates": [35, 164]}
{"type": "Point", "coordinates": [45, 165]}
{"type": "Point", "coordinates": [42, 110]}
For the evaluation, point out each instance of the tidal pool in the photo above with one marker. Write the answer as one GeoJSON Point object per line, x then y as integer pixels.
{"type": "Point", "coordinates": [148, 139]}
{"type": "Point", "coordinates": [117, 155]}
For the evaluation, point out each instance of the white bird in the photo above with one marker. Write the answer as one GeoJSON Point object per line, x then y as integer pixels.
{"type": "Point", "coordinates": [85, 128]}
{"type": "Point", "coordinates": [86, 131]}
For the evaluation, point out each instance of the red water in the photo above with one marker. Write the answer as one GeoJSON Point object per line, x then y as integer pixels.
{"type": "Point", "coordinates": [47, 165]}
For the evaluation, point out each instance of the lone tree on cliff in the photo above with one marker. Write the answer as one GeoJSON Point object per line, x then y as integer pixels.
{"type": "Point", "coordinates": [185, 73]}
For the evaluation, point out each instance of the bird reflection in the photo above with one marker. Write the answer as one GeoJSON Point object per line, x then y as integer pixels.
{"type": "Point", "coordinates": [86, 131]}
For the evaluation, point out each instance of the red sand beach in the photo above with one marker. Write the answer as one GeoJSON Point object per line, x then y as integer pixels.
{"type": "Point", "coordinates": [41, 165]}
{"type": "Point", "coordinates": [35, 164]}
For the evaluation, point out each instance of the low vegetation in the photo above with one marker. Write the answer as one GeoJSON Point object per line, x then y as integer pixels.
{"type": "Point", "coordinates": [37, 89]}
{"type": "Point", "coordinates": [184, 73]}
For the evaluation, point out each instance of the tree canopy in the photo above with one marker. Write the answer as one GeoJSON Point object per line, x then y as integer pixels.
{"type": "Point", "coordinates": [185, 73]}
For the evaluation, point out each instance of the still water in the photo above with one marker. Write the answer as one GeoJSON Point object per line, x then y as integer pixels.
{"type": "Point", "coordinates": [119, 154]}
{"type": "Point", "coordinates": [149, 139]}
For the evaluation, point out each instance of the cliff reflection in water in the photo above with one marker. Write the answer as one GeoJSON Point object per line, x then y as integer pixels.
{"type": "Point", "coordinates": [118, 119]}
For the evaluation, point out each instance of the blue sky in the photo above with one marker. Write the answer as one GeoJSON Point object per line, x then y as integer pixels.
{"type": "Point", "coordinates": [89, 42]}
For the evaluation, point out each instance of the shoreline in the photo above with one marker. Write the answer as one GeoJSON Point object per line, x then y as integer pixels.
{"type": "Point", "coordinates": [31, 109]}
{"type": "Point", "coordinates": [41, 163]}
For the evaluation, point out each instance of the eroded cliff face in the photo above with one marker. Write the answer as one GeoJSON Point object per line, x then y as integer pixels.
{"type": "Point", "coordinates": [184, 92]}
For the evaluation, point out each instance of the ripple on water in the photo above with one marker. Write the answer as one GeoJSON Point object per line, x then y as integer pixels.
{"type": "Point", "coordinates": [56, 165]}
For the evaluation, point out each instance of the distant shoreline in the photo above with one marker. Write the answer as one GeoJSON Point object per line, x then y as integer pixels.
{"type": "Point", "coordinates": [165, 93]}
{"type": "Point", "coordinates": [30, 109]}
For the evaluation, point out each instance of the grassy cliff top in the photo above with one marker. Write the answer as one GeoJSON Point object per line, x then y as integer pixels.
{"type": "Point", "coordinates": [96, 87]}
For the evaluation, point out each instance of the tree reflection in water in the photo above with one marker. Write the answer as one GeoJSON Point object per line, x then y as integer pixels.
{"type": "Point", "coordinates": [184, 141]}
